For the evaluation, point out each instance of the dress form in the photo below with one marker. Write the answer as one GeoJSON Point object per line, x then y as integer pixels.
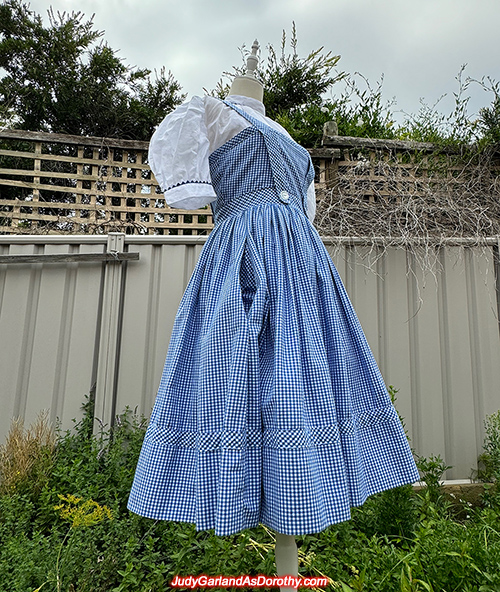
{"type": "Point", "coordinates": [247, 85]}
{"type": "Point", "coordinates": [285, 548]}
{"type": "Point", "coordinates": [255, 419]}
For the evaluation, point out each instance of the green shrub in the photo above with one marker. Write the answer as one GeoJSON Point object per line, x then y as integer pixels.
{"type": "Point", "coordinates": [392, 512]}
{"type": "Point", "coordinates": [490, 459]}
{"type": "Point", "coordinates": [393, 543]}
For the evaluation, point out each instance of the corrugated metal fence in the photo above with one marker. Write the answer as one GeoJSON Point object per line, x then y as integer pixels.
{"type": "Point", "coordinates": [98, 318]}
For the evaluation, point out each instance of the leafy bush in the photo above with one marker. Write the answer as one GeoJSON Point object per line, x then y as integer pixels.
{"type": "Point", "coordinates": [490, 459]}
{"type": "Point", "coordinates": [489, 117]}
{"type": "Point", "coordinates": [358, 111]}
{"type": "Point", "coordinates": [57, 534]}
{"type": "Point", "coordinates": [432, 470]}
{"type": "Point", "coordinates": [291, 82]}
{"type": "Point", "coordinates": [489, 462]}
{"type": "Point", "coordinates": [296, 93]}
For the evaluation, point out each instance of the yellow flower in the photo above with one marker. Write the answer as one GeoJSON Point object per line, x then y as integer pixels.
{"type": "Point", "coordinates": [81, 512]}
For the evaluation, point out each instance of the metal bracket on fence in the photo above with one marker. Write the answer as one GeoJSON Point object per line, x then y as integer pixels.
{"type": "Point", "coordinates": [114, 253]}
{"type": "Point", "coordinates": [69, 258]}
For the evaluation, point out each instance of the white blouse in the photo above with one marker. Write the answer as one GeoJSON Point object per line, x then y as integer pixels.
{"type": "Point", "coordinates": [180, 146]}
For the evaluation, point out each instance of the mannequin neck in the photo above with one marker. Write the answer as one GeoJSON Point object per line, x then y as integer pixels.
{"type": "Point", "coordinates": [247, 86]}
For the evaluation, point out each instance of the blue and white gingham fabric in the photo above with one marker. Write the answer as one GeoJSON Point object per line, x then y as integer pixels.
{"type": "Point", "coordinates": [271, 407]}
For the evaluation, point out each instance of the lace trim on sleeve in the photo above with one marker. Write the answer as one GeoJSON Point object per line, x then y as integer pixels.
{"type": "Point", "coordinates": [185, 183]}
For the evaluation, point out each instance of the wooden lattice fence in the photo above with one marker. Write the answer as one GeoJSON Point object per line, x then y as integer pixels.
{"type": "Point", "coordinates": [53, 183]}
{"type": "Point", "coordinates": [408, 191]}
{"type": "Point", "coordinates": [70, 184]}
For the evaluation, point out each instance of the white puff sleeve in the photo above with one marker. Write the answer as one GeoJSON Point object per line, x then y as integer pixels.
{"type": "Point", "coordinates": [178, 157]}
{"type": "Point", "coordinates": [311, 202]}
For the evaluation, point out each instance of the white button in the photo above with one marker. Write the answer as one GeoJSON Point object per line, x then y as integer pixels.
{"type": "Point", "coordinates": [284, 196]}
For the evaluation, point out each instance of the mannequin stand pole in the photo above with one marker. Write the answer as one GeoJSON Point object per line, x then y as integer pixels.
{"type": "Point", "coordinates": [287, 562]}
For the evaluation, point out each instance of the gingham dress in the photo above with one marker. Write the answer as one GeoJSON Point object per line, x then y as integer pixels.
{"type": "Point", "coordinates": [271, 407]}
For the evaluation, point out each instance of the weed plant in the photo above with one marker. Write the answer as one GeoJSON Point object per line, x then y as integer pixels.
{"type": "Point", "coordinates": [26, 456]}
{"type": "Point", "coordinates": [70, 530]}
{"type": "Point", "coordinates": [490, 459]}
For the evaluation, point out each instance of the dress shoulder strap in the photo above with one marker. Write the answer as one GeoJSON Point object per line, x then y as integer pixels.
{"type": "Point", "coordinates": [255, 122]}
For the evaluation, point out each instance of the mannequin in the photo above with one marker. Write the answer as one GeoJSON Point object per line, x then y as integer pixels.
{"type": "Point", "coordinates": [248, 85]}
{"type": "Point", "coordinates": [286, 547]}
{"type": "Point", "coordinates": [271, 408]}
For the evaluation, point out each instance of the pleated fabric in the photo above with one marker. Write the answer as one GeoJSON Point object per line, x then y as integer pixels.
{"type": "Point", "coordinates": [271, 408]}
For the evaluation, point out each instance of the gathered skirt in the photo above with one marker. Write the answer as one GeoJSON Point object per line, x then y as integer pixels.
{"type": "Point", "coordinates": [271, 408]}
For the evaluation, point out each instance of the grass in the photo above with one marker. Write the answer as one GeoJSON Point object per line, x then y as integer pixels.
{"type": "Point", "coordinates": [64, 526]}
{"type": "Point", "coordinates": [26, 455]}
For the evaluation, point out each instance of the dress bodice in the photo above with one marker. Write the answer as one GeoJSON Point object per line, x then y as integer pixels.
{"type": "Point", "coordinates": [181, 145]}
{"type": "Point", "coordinates": [259, 165]}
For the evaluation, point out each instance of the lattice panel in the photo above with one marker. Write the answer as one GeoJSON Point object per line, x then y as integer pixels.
{"type": "Point", "coordinates": [62, 184]}
{"type": "Point", "coordinates": [52, 183]}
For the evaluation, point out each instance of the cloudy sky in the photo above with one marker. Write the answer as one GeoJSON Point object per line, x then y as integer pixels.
{"type": "Point", "coordinates": [417, 46]}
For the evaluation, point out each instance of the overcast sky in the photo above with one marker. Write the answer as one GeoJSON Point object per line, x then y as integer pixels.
{"type": "Point", "coordinates": [418, 46]}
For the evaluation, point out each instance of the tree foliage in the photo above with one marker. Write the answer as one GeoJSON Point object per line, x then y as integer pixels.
{"type": "Point", "coordinates": [64, 78]}
{"type": "Point", "coordinates": [359, 110]}
{"type": "Point", "coordinates": [489, 117]}
{"type": "Point", "coordinates": [291, 82]}
{"type": "Point", "coordinates": [293, 87]}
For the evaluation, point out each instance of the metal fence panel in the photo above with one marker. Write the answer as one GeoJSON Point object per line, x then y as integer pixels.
{"type": "Point", "coordinates": [48, 319]}
{"type": "Point", "coordinates": [68, 327]}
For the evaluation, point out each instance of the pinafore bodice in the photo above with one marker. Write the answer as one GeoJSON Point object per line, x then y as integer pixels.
{"type": "Point", "coordinates": [257, 166]}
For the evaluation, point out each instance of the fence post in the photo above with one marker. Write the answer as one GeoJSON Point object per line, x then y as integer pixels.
{"type": "Point", "coordinates": [496, 260]}
{"type": "Point", "coordinates": [110, 334]}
